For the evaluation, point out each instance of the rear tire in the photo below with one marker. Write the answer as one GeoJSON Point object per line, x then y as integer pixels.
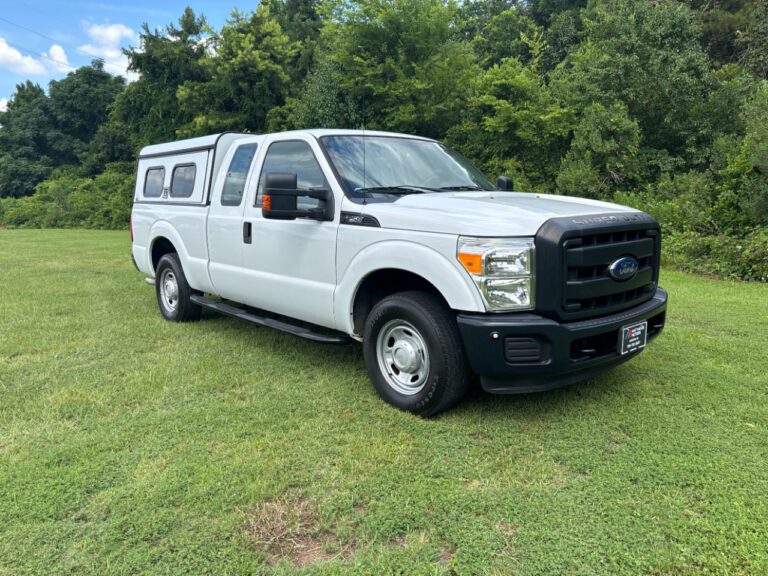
{"type": "Point", "coordinates": [414, 353]}
{"type": "Point", "coordinates": [173, 291]}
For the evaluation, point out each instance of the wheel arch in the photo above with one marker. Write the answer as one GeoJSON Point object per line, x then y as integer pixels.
{"type": "Point", "coordinates": [384, 282]}
{"type": "Point", "coordinates": [160, 247]}
{"type": "Point", "coordinates": [164, 240]}
{"type": "Point", "coordinates": [377, 272]}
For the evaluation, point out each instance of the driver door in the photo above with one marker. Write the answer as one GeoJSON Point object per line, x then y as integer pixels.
{"type": "Point", "coordinates": [289, 266]}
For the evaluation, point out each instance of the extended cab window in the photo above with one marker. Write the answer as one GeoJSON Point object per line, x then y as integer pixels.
{"type": "Point", "coordinates": [183, 181]}
{"type": "Point", "coordinates": [294, 156]}
{"type": "Point", "coordinates": [234, 184]}
{"type": "Point", "coordinates": [153, 183]}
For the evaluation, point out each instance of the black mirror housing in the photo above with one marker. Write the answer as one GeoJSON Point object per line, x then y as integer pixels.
{"type": "Point", "coordinates": [275, 204]}
{"type": "Point", "coordinates": [280, 199]}
{"type": "Point", "coordinates": [505, 183]}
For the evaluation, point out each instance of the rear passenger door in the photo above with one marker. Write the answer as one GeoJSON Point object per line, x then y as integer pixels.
{"type": "Point", "coordinates": [225, 217]}
{"type": "Point", "coordinates": [289, 266]}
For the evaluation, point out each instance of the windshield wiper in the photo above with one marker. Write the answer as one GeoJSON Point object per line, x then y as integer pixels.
{"type": "Point", "coordinates": [400, 189]}
{"type": "Point", "coordinates": [461, 188]}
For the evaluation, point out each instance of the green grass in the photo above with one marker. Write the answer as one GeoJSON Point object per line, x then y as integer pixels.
{"type": "Point", "coordinates": [130, 445]}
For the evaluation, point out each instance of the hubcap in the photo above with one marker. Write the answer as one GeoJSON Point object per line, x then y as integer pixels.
{"type": "Point", "coordinates": [403, 357]}
{"type": "Point", "coordinates": [169, 290]}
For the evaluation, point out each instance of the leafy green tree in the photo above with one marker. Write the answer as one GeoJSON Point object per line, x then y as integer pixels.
{"type": "Point", "coordinates": [474, 16]}
{"type": "Point", "coordinates": [322, 103]}
{"type": "Point", "coordinates": [112, 142]}
{"type": "Point", "coordinates": [543, 11]}
{"type": "Point", "coordinates": [561, 36]}
{"type": "Point", "coordinates": [165, 60]}
{"type": "Point", "coordinates": [745, 186]}
{"type": "Point", "coordinates": [30, 143]}
{"type": "Point", "coordinates": [514, 125]}
{"type": "Point", "coordinates": [302, 21]}
{"type": "Point", "coordinates": [722, 23]}
{"type": "Point", "coordinates": [510, 34]}
{"type": "Point", "coordinates": [80, 102]}
{"type": "Point", "coordinates": [401, 64]}
{"type": "Point", "coordinates": [247, 76]}
{"type": "Point", "coordinates": [754, 40]}
{"type": "Point", "coordinates": [647, 56]}
{"type": "Point", "coordinates": [717, 117]}
{"type": "Point", "coordinates": [41, 132]}
{"type": "Point", "coordinates": [603, 155]}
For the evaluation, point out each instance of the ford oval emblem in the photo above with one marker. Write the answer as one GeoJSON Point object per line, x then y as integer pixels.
{"type": "Point", "coordinates": [624, 268]}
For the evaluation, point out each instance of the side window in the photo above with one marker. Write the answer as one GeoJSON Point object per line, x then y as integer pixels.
{"type": "Point", "coordinates": [234, 183]}
{"type": "Point", "coordinates": [294, 156]}
{"type": "Point", "coordinates": [183, 181]}
{"type": "Point", "coordinates": [153, 182]}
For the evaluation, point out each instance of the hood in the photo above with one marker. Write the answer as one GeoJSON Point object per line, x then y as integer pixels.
{"type": "Point", "coordinates": [482, 213]}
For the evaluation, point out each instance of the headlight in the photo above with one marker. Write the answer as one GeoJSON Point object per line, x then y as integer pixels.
{"type": "Point", "coordinates": [502, 269]}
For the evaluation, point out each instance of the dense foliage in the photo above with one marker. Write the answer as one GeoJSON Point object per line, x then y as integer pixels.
{"type": "Point", "coordinates": [660, 104]}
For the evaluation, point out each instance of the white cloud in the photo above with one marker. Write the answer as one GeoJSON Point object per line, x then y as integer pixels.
{"type": "Point", "coordinates": [13, 60]}
{"type": "Point", "coordinates": [107, 41]}
{"type": "Point", "coordinates": [3, 104]}
{"type": "Point", "coordinates": [55, 60]}
{"type": "Point", "coordinates": [52, 62]}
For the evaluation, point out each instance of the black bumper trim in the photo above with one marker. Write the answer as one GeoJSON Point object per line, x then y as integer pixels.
{"type": "Point", "coordinates": [484, 341]}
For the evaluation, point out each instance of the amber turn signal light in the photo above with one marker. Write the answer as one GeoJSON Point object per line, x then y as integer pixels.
{"type": "Point", "coordinates": [473, 263]}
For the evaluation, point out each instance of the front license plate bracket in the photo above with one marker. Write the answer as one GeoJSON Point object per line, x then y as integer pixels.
{"type": "Point", "coordinates": [633, 337]}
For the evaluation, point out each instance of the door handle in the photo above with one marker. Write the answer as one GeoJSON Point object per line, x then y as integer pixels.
{"type": "Point", "coordinates": [247, 234]}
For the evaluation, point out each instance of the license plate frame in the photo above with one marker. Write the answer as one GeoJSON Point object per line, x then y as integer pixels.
{"type": "Point", "coordinates": [633, 337]}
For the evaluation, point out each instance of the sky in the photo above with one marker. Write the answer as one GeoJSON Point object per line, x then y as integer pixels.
{"type": "Point", "coordinates": [43, 40]}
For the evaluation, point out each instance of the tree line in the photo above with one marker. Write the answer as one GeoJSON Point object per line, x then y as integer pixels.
{"type": "Point", "coordinates": [659, 104]}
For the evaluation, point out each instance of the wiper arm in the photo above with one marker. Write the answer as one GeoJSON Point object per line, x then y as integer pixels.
{"type": "Point", "coordinates": [462, 188]}
{"type": "Point", "coordinates": [400, 189]}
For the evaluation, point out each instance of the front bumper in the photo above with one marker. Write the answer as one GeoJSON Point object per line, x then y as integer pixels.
{"type": "Point", "coordinates": [516, 353]}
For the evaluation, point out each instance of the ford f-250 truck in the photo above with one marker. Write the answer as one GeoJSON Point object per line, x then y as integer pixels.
{"type": "Point", "coordinates": [400, 243]}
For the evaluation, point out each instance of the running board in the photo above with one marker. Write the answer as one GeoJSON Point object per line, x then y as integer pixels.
{"type": "Point", "coordinates": [300, 331]}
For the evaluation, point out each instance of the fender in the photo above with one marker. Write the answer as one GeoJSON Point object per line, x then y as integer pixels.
{"type": "Point", "coordinates": [453, 283]}
{"type": "Point", "coordinates": [195, 269]}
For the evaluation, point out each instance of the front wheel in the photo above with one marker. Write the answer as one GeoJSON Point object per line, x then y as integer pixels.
{"type": "Point", "coordinates": [414, 353]}
{"type": "Point", "coordinates": [173, 291]}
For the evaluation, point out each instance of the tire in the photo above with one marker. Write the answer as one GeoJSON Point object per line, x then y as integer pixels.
{"type": "Point", "coordinates": [414, 353]}
{"type": "Point", "coordinates": [173, 291]}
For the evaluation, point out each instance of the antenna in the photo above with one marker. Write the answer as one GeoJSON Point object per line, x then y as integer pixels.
{"type": "Point", "coordinates": [364, 172]}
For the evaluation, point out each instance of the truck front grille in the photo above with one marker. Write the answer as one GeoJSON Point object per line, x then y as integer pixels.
{"type": "Point", "coordinates": [588, 285]}
{"type": "Point", "coordinates": [573, 260]}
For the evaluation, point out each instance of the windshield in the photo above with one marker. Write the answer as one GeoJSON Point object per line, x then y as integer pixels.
{"type": "Point", "coordinates": [374, 167]}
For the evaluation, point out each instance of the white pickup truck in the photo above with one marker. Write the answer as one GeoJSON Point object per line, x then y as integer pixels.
{"type": "Point", "coordinates": [400, 243]}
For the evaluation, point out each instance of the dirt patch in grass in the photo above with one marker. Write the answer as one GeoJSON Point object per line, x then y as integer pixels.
{"type": "Point", "coordinates": [509, 530]}
{"type": "Point", "coordinates": [400, 542]}
{"type": "Point", "coordinates": [289, 529]}
{"type": "Point", "coordinates": [446, 555]}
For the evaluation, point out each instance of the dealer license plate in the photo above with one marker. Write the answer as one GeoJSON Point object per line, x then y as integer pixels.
{"type": "Point", "coordinates": [633, 337]}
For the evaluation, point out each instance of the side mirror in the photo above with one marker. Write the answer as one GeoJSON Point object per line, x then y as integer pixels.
{"type": "Point", "coordinates": [280, 199]}
{"type": "Point", "coordinates": [505, 183]}
{"type": "Point", "coordinates": [277, 202]}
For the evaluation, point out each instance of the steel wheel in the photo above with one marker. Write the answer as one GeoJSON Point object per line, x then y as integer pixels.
{"type": "Point", "coordinates": [403, 357]}
{"type": "Point", "coordinates": [169, 290]}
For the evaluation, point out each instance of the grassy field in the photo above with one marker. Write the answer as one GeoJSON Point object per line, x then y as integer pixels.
{"type": "Point", "coordinates": [129, 445]}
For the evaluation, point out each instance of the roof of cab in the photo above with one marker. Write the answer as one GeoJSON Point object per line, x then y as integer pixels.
{"type": "Point", "coordinates": [320, 132]}
{"type": "Point", "coordinates": [214, 140]}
